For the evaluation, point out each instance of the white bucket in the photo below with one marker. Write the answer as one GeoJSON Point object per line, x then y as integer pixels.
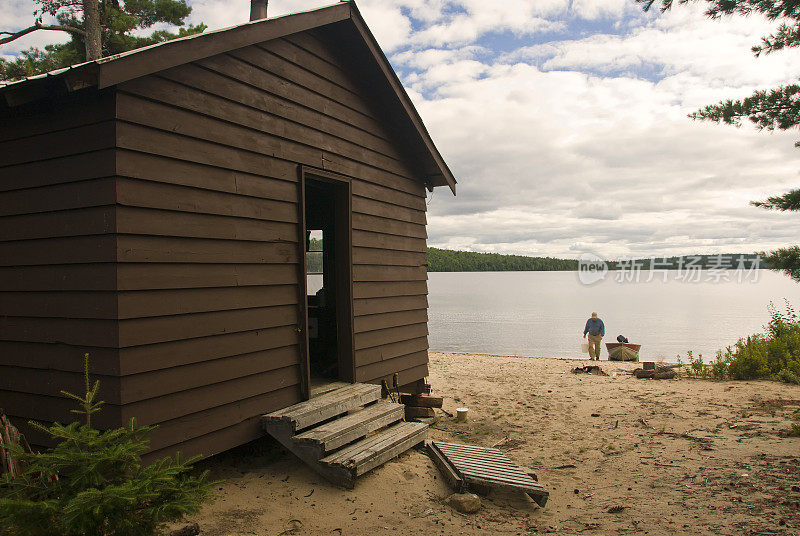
{"type": "Point", "coordinates": [585, 347]}
{"type": "Point", "coordinates": [461, 414]}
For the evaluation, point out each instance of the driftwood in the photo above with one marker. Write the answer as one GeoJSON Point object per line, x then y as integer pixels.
{"type": "Point", "coordinates": [9, 435]}
{"type": "Point", "coordinates": [659, 373]}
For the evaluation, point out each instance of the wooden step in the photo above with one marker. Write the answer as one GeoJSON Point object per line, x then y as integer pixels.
{"type": "Point", "coordinates": [323, 407]}
{"type": "Point", "coordinates": [332, 435]}
{"type": "Point", "coordinates": [377, 449]}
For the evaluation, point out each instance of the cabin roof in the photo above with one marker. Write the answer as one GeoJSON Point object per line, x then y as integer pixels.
{"type": "Point", "coordinates": [119, 68]}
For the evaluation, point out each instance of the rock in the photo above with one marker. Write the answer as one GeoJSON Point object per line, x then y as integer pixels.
{"type": "Point", "coordinates": [466, 503]}
{"type": "Point", "coordinates": [192, 529]}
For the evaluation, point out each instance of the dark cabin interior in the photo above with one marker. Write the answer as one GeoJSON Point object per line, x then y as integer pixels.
{"type": "Point", "coordinates": [328, 279]}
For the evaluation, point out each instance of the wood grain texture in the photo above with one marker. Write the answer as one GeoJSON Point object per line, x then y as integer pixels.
{"type": "Point", "coordinates": [162, 233]}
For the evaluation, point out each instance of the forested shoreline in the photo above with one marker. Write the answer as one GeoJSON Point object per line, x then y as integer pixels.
{"type": "Point", "coordinates": [447, 260]}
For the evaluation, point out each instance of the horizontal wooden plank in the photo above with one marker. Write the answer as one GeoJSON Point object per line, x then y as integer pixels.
{"type": "Point", "coordinates": [82, 194]}
{"type": "Point", "coordinates": [168, 144]}
{"type": "Point", "coordinates": [363, 272]}
{"type": "Point", "coordinates": [66, 250]}
{"type": "Point", "coordinates": [133, 248]}
{"type": "Point", "coordinates": [169, 170]}
{"type": "Point", "coordinates": [370, 306]}
{"type": "Point", "coordinates": [238, 126]}
{"type": "Point", "coordinates": [283, 104]}
{"type": "Point", "coordinates": [179, 404]}
{"type": "Point", "coordinates": [374, 240]}
{"type": "Point", "coordinates": [366, 323]}
{"type": "Point", "coordinates": [383, 352]}
{"type": "Point", "coordinates": [80, 333]}
{"type": "Point", "coordinates": [58, 277]}
{"type": "Point", "coordinates": [182, 98]}
{"type": "Point", "coordinates": [297, 55]}
{"type": "Point", "coordinates": [156, 195]}
{"type": "Point", "coordinates": [310, 41]}
{"type": "Point", "coordinates": [297, 74]}
{"type": "Point", "coordinates": [82, 139]}
{"type": "Point", "coordinates": [102, 305]}
{"type": "Point", "coordinates": [145, 276]}
{"type": "Point", "coordinates": [413, 201]}
{"type": "Point", "coordinates": [237, 66]}
{"type": "Point", "coordinates": [139, 359]}
{"type": "Point", "coordinates": [142, 276]}
{"type": "Point", "coordinates": [368, 289]}
{"type": "Point", "coordinates": [152, 222]}
{"type": "Point", "coordinates": [242, 157]}
{"type": "Point", "coordinates": [389, 335]}
{"type": "Point", "coordinates": [153, 410]}
{"type": "Point", "coordinates": [366, 222]}
{"type": "Point", "coordinates": [140, 331]}
{"type": "Point", "coordinates": [145, 303]}
{"type": "Point", "coordinates": [64, 116]}
{"type": "Point", "coordinates": [42, 408]}
{"type": "Point", "coordinates": [81, 167]}
{"type": "Point", "coordinates": [39, 355]}
{"type": "Point", "coordinates": [198, 433]}
{"type": "Point", "coordinates": [366, 205]}
{"type": "Point", "coordinates": [422, 401]}
{"type": "Point", "coordinates": [76, 222]}
{"type": "Point", "coordinates": [161, 382]}
{"type": "Point", "coordinates": [50, 382]}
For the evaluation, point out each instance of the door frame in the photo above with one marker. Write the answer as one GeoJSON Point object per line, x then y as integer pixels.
{"type": "Point", "coordinates": [343, 273]}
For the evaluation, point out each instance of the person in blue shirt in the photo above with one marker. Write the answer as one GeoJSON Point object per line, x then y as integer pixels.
{"type": "Point", "coordinates": [596, 330]}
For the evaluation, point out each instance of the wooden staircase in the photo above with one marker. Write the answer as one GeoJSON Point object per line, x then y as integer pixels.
{"type": "Point", "coordinates": [344, 433]}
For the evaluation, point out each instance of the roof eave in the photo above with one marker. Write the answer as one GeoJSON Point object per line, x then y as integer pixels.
{"type": "Point", "coordinates": [387, 70]}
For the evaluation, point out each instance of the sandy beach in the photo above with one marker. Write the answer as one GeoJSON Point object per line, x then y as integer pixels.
{"type": "Point", "coordinates": [617, 454]}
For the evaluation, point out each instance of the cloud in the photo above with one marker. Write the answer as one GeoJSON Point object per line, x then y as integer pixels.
{"type": "Point", "coordinates": [565, 121]}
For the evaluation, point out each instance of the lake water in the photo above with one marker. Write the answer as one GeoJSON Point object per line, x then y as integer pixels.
{"type": "Point", "coordinates": [543, 313]}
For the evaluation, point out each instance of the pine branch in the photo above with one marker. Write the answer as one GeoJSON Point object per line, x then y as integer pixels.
{"type": "Point", "coordinates": [773, 109]}
{"type": "Point", "coordinates": [786, 37]}
{"type": "Point", "coordinates": [787, 201]}
{"type": "Point", "coordinates": [787, 260]}
{"type": "Point", "coordinates": [772, 9]}
{"type": "Point", "coordinates": [13, 36]}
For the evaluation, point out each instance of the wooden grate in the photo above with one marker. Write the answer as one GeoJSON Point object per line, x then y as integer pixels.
{"type": "Point", "coordinates": [463, 465]}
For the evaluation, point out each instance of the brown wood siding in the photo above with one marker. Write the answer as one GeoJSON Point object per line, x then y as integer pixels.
{"type": "Point", "coordinates": [58, 275]}
{"type": "Point", "coordinates": [161, 235]}
{"type": "Point", "coordinates": [210, 153]}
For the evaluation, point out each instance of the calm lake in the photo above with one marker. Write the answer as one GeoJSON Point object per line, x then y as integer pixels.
{"type": "Point", "coordinates": [543, 313]}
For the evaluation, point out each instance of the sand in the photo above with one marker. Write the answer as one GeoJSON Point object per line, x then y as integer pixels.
{"type": "Point", "coordinates": [617, 454]}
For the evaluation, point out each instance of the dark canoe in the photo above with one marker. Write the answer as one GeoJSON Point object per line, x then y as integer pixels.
{"type": "Point", "coordinates": [623, 351]}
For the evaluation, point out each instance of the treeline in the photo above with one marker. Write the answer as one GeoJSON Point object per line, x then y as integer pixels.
{"type": "Point", "coordinates": [446, 260]}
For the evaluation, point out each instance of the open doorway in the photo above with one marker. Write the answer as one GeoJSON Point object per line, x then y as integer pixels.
{"type": "Point", "coordinates": [328, 279]}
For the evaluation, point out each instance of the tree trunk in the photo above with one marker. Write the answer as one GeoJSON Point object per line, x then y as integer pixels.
{"type": "Point", "coordinates": [91, 24]}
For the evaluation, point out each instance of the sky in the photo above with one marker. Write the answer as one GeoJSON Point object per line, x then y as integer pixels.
{"type": "Point", "coordinates": [565, 121]}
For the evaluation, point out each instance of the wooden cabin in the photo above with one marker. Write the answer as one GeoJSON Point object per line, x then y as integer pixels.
{"type": "Point", "coordinates": [156, 212]}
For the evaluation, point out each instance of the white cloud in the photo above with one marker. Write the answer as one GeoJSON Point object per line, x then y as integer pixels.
{"type": "Point", "coordinates": [571, 139]}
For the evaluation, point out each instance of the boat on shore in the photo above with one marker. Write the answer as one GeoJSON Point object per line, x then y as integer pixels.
{"type": "Point", "coordinates": [623, 351]}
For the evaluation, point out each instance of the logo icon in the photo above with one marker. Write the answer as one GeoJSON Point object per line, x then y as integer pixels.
{"type": "Point", "coordinates": [591, 269]}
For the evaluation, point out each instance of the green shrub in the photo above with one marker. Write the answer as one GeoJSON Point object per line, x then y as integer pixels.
{"type": "Point", "coordinates": [720, 368]}
{"type": "Point", "coordinates": [774, 354]}
{"type": "Point", "coordinates": [93, 483]}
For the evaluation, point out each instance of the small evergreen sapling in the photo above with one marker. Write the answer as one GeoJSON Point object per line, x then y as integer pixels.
{"type": "Point", "coordinates": [93, 483]}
